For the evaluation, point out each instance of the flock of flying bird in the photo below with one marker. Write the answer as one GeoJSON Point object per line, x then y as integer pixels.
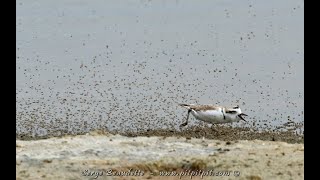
{"type": "Point", "coordinates": [130, 95]}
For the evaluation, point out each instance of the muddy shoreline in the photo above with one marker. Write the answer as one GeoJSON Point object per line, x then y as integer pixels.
{"type": "Point", "coordinates": [221, 133]}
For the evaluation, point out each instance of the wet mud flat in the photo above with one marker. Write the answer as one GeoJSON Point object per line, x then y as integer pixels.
{"type": "Point", "coordinates": [224, 133]}
{"type": "Point", "coordinates": [152, 155]}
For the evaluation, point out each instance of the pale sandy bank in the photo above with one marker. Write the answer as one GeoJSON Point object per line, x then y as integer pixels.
{"type": "Point", "coordinates": [74, 157]}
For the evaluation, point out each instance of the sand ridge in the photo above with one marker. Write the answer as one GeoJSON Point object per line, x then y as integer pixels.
{"type": "Point", "coordinates": [100, 153]}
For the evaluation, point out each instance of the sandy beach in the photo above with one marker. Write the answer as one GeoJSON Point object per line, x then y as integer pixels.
{"type": "Point", "coordinates": [101, 155]}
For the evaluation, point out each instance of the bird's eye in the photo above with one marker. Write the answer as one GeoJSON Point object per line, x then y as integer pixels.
{"type": "Point", "coordinates": [236, 107]}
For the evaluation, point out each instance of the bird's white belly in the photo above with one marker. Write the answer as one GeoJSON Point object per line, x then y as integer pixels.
{"type": "Point", "coordinates": [211, 116]}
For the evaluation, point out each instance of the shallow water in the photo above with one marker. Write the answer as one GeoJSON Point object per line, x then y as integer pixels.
{"type": "Point", "coordinates": [125, 65]}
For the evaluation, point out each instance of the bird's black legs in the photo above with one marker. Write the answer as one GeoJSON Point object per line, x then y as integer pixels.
{"type": "Point", "coordinates": [186, 123]}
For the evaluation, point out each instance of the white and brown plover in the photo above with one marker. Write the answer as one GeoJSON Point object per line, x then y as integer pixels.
{"type": "Point", "coordinates": [214, 114]}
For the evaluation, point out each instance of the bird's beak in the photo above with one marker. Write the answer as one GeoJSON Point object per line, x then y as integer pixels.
{"type": "Point", "coordinates": [242, 114]}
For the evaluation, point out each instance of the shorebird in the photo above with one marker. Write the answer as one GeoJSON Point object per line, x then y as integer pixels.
{"type": "Point", "coordinates": [214, 114]}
